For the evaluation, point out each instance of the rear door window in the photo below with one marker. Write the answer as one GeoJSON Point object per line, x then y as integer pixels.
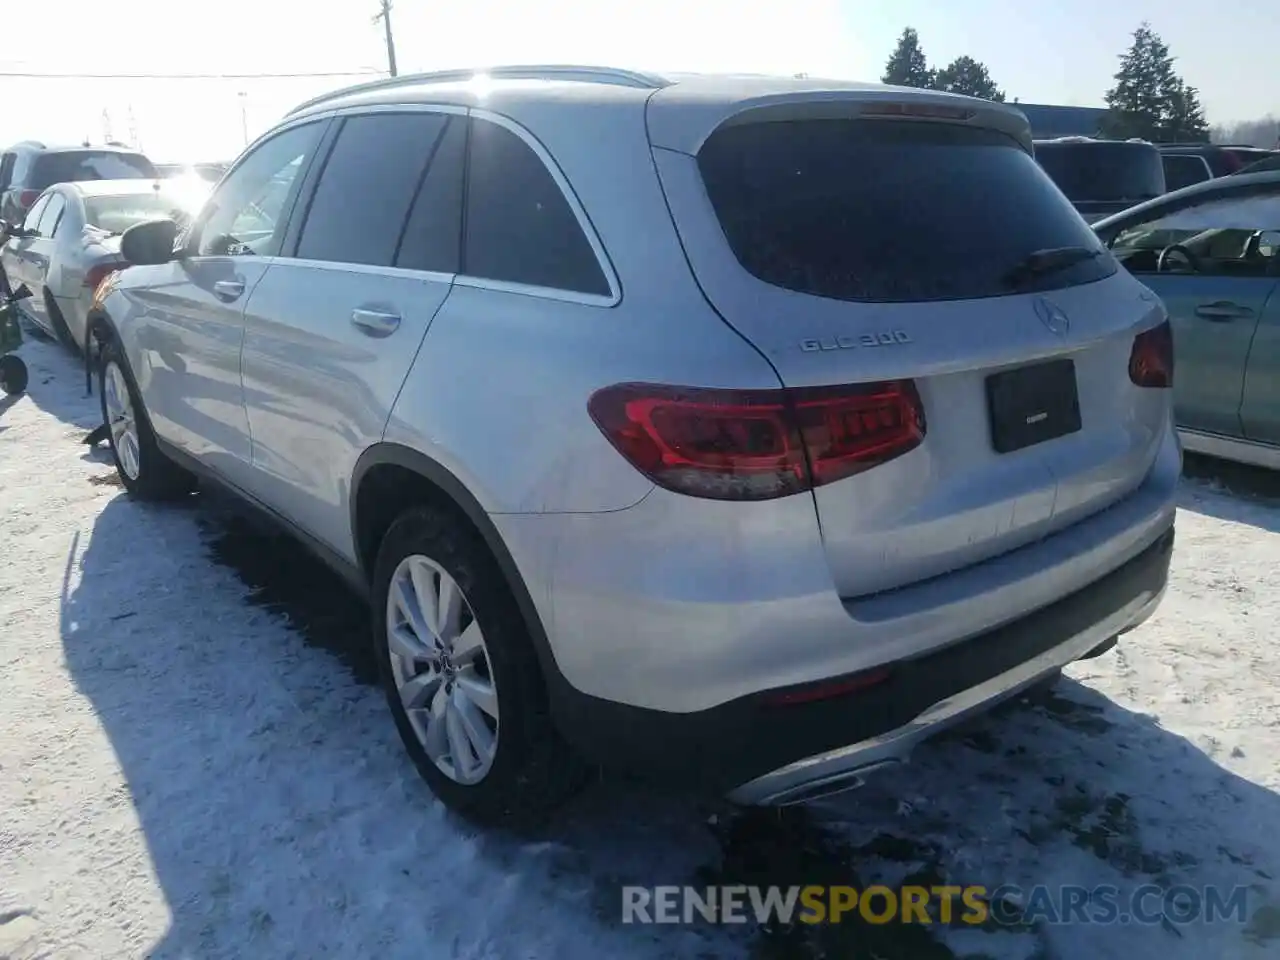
{"type": "Point", "coordinates": [69, 166]}
{"type": "Point", "coordinates": [890, 211]}
{"type": "Point", "coordinates": [520, 226]}
{"type": "Point", "coordinates": [361, 203]}
{"type": "Point", "coordinates": [52, 214]}
{"type": "Point", "coordinates": [1182, 171]}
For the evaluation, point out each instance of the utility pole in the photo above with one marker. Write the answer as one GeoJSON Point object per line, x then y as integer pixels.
{"type": "Point", "coordinates": [384, 14]}
{"type": "Point", "coordinates": [244, 119]}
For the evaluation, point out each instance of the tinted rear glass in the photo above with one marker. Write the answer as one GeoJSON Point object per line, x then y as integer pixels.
{"type": "Point", "coordinates": [73, 165]}
{"type": "Point", "coordinates": [889, 211]}
{"type": "Point", "coordinates": [1102, 171]}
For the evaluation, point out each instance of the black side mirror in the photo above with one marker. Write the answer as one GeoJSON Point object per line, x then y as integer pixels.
{"type": "Point", "coordinates": [22, 293]}
{"type": "Point", "coordinates": [148, 243]}
{"type": "Point", "coordinates": [10, 231]}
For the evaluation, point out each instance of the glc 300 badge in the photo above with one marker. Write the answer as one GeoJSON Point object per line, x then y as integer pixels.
{"type": "Point", "coordinates": [882, 338]}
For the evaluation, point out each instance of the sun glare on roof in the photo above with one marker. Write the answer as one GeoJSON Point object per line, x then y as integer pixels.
{"type": "Point", "coordinates": [481, 83]}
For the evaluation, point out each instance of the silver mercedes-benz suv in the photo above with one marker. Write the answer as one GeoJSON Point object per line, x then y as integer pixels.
{"type": "Point", "coordinates": [737, 430]}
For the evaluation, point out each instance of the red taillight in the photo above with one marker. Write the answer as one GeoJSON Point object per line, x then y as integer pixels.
{"type": "Point", "coordinates": [1151, 359]}
{"type": "Point", "coordinates": [96, 274]}
{"type": "Point", "coordinates": [27, 197]}
{"type": "Point", "coordinates": [757, 444]}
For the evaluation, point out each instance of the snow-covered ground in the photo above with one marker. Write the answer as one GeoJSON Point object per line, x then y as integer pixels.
{"type": "Point", "coordinates": [185, 771]}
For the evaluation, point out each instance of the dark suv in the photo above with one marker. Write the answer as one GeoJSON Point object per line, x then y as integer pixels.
{"type": "Point", "coordinates": [1188, 163]}
{"type": "Point", "coordinates": [27, 168]}
{"type": "Point", "coordinates": [1102, 177]}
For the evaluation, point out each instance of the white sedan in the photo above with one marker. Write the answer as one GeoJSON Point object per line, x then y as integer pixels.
{"type": "Point", "coordinates": [70, 241]}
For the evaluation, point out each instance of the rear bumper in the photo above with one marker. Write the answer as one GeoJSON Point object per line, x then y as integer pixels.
{"type": "Point", "coordinates": [761, 753]}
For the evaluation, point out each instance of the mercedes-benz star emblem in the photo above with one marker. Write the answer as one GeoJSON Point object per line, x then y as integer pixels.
{"type": "Point", "coordinates": [1052, 316]}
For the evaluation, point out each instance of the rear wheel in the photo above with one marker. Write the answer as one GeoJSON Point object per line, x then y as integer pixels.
{"type": "Point", "coordinates": [461, 675]}
{"type": "Point", "coordinates": [144, 470]}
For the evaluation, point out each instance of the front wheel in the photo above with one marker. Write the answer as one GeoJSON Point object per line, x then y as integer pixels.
{"type": "Point", "coordinates": [461, 675]}
{"type": "Point", "coordinates": [143, 468]}
{"type": "Point", "coordinates": [13, 374]}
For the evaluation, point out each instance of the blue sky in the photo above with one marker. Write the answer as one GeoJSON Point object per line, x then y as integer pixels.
{"type": "Point", "coordinates": [1040, 51]}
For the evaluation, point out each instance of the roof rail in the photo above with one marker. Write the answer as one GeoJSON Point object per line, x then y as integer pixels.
{"type": "Point", "coordinates": [582, 74]}
{"type": "Point", "coordinates": [1209, 146]}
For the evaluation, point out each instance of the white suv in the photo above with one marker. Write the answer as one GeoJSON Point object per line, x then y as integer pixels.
{"type": "Point", "coordinates": [744, 431]}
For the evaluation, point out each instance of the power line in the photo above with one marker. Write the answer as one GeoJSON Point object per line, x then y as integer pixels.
{"type": "Point", "coordinates": [190, 76]}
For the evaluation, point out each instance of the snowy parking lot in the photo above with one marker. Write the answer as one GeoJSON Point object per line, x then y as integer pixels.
{"type": "Point", "coordinates": [194, 763]}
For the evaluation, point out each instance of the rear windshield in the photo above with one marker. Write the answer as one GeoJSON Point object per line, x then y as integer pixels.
{"type": "Point", "coordinates": [890, 211]}
{"type": "Point", "coordinates": [1104, 172]}
{"type": "Point", "coordinates": [72, 165]}
{"type": "Point", "coordinates": [118, 214]}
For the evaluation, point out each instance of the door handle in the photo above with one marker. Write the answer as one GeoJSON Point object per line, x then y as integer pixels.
{"type": "Point", "coordinates": [228, 290]}
{"type": "Point", "coordinates": [1224, 311]}
{"type": "Point", "coordinates": [376, 323]}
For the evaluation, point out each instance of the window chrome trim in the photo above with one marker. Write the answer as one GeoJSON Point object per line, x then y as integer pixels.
{"type": "Point", "coordinates": [341, 266]}
{"type": "Point", "coordinates": [580, 214]}
{"type": "Point", "coordinates": [543, 293]}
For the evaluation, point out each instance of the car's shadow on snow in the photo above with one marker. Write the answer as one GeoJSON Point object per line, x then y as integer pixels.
{"type": "Point", "coordinates": [282, 817]}
{"type": "Point", "coordinates": [57, 383]}
{"type": "Point", "coordinates": [1231, 491]}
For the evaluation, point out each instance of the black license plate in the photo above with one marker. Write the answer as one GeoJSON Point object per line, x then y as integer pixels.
{"type": "Point", "coordinates": [1033, 404]}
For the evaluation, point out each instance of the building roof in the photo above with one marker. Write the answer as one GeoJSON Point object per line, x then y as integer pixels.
{"type": "Point", "coordinates": [1051, 120]}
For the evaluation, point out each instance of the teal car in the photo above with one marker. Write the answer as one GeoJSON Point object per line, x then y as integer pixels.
{"type": "Point", "coordinates": [1211, 252]}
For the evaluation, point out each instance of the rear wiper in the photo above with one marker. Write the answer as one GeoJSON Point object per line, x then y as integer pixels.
{"type": "Point", "coordinates": [1041, 263]}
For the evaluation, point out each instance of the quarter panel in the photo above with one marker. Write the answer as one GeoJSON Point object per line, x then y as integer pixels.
{"type": "Point", "coordinates": [499, 392]}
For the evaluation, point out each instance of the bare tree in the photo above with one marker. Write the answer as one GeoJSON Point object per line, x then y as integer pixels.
{"type": "Point", "coordinates": [1256, 133]}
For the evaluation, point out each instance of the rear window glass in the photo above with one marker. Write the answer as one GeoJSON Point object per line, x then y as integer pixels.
{"type": "Point", "coordinates": [1104, 172]}
{"type": "Point", "coordinates": [118, 214]}
{"type": "Point", "coordinates": [890, 211]}
{"type": "Point", "coordinates": [74, 165]}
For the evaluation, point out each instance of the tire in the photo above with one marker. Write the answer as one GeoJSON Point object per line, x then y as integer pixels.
{"type": "Point", "coordinates": [532, 770]}
{"type": "Point", "coordinates": [59, 323]}
{"type": "Point", "coordinates": [147, 474]}
{"type": "Point", "coordinates": [13, 374]}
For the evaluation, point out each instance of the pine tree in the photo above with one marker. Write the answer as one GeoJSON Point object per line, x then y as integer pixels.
{"type": "Point", "coordinates": [1187, 122]}
{"type": "Point", "coordinates": [970, 77]}
{"type": "Point", "coordinates": [1149, 99]}
{"type": "Point", "coordinates": [907, 67]}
